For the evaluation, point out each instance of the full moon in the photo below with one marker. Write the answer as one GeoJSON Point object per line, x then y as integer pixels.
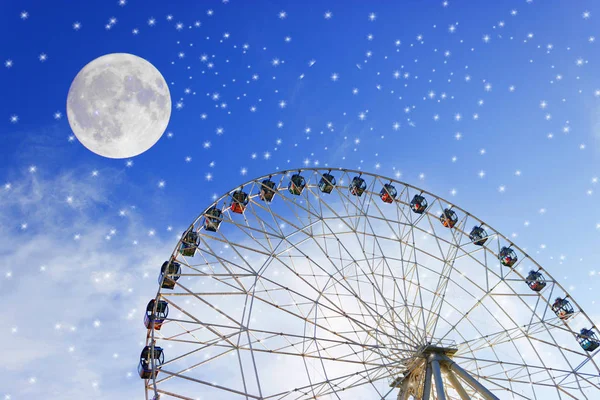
{"type": "Point", "coordinates": [118, 105]}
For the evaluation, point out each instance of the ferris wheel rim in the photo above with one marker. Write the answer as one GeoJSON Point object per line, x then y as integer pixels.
{"type": "Point", "coordinates": [434, 197]}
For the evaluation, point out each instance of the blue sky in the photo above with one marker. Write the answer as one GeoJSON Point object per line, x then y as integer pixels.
{"type": "Point", "coordinates": [492, 105]}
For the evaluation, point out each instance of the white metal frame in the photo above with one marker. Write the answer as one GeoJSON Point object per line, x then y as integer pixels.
{"type": "Point", "coordinates": [334, 240]}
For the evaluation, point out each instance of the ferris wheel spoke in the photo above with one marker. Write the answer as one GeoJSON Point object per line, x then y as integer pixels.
{"type": "Point", "coordinates": [266, 230]}
{"type": "Point", "coordinates": [226, 349]}
{"type": "Point", "coordinates": [354, 263]}
{"type": "Point", "coordinates": [174, 395]}
{"type": "Point", "coordinates": [332, 309]}
{"type": "Point", "coordinates": [408, 271]}
{"type": "Point", "coordinates": [444, 277]}
{"type": "Point", "coordinates": [197, 321]}
{"type": "Point", "coordinates": [224, 263]}
{"type": "Point", "coordinates": [345, 382]}
{"type": "Point", "coordinates": [377, 240]}
{"type": "Point", "coordinates": [364, 233]}
{"type": "Point", "coordinates": [293, 340]}
{"type": "Point", "coordinates": [508, 335]}
{"type": "Point", "coordinates": [210, 384]}
{"type": "Point", "coordinates": [528, 374]}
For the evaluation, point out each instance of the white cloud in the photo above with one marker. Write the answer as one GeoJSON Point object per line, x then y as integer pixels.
{"type": "Point", "coordinates": [82, 281]}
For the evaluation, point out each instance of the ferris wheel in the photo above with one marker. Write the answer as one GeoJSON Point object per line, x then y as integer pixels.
{"type": "Point", "coordinates": [339, 284]}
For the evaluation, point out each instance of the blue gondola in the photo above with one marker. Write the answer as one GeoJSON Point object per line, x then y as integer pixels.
{"type": "Point", "coordinates": [170, 272]}
{"type": "Point", "coordinates": [418, 204]}
{"type": "Point", "coordinates": [448, 218]}
{"type": "Point", "coordinates": [388, 193]}
{"type": "Point", "coordinates": [327, 183]}
{"type": "Point", "coordinates": [145, 365]}
{"type": "Point", "coordinates": [212, 219]}
{"type": "Point", "coordinates": [535, 280]}
{"type": "Point", "coordinates": [478, 236]}
{"type": "Point", "coordinates": [267, 190]}
{"type": "Point", "coordinates": [357, 186]}
{"type": "Point", "coordinates": [588, 340]}
{"type": "Point", "coordinates": [189, 243]}
{"type": "Point", "coordinates": [158, 318]}
{"type": "Point", "coordinates": [297, 184]}
{"type": "Point", "coordinates": [507, 256]}
{"type": "Point", "coordinates": [562, 308]}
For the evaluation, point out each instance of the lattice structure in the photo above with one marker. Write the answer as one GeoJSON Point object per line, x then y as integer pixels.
{"type": "Point", "coordinates": [335, 290]}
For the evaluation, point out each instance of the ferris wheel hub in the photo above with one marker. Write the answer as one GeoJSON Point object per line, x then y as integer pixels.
{"type": "Point", "coordinates": [428, 350]}
{"type": "Point", "coordinates": [432, 363]}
